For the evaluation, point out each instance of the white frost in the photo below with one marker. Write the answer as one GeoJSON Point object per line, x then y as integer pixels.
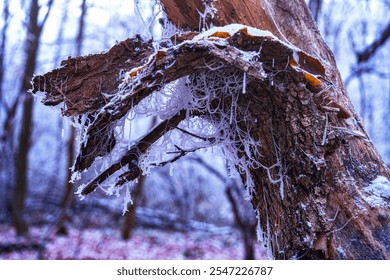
{"type": "Point", "coordinates": [244, 84]}
{"type": "Point", "coordinates": [296, 56]}
{"type": "Point", "coordinates": [233, 29]}
{"type": "Point", "coordinates": [341, 251]}
{"type": "Point", "coordinates": [378, 192]}
{"type": "Point", "coordinates": [127, 199]}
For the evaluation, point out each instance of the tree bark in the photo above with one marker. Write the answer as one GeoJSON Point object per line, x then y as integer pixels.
{"type": "Point", "coordinates": [318, 184]}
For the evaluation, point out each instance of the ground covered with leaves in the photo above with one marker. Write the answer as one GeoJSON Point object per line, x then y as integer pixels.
{"type": "Point", "coordinates": [102, 244]}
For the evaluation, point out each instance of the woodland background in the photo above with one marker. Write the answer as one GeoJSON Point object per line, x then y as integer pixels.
{"type": "Point", "coordinates": [190, 209]}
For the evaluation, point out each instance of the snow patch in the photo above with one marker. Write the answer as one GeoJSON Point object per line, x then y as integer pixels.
{"type": "Point", "coordinates": [296, 56]}
{"type": "Point", "coordinates": [232, 29]}
{"type": "Point", "coordinates": [341, 251]}
{"type": "Point", "coordinates": [378, 192]}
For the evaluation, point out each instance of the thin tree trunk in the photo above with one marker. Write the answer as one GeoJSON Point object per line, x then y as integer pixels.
{"type": "Point", "coordinates": [21, 160]}
{"type": "Point", "coordinates": [246, 228]}
{"type": "Point", "coordinates": [3, 47]}
{"type": "Point", "coordinates": [69, 186]}
{"type": "Point", "coordinates": [315, 8]}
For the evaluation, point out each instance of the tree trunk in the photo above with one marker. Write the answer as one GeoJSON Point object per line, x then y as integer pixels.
{"type": "Point", "coordinates": [315, 8]}
{"type": "Point", "coordinates": [21, 160]}
{"type": "Point", "coordinates": [320, 189]}
{"type": "Point", "coordinates": [4, 31]}
{"type": "Point", "coordinates": [69, 186]}
{"type": "Point", "coordinates": [327, 208]}
{"type": "Point", "coordinates": [245, 227]}
{"type": "Point", "coordinates": [244, 224]}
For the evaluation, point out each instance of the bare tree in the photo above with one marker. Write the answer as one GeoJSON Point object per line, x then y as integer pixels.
{"type": "Point", "coordinates": [315, 8]}
{"type": "Point", "coordinates": [235, 197]}
{"type": "Point", "coordinates": [370, 50]}
{"type": "Point", "coordinates": [272, 100]}
{"type": "Point", "coordinates": [34, 31]}
{"type": "Point", "coordinates": [4, 29]}
{"type": "Point", "coordinates": [6, 16]}
{"type": "Point", "coordinates": [369, 74]}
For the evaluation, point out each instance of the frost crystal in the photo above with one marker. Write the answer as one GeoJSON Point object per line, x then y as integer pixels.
{"type": "Point", "coordinates": [210, 108]}
{"type": "Point", "coordinates": [213, 119]}
{"type": "Point", "coordinates": [209, 12]}
{"type": "Point", "coordinates": [378, 192]}
{"type": "Point", "coordinates": [127, 199]}
{"type": "Point", "coordinates": [231, 29]}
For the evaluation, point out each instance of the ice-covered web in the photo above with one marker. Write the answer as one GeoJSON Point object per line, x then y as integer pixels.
{"type": "Point", "coordinates": [213, 119]}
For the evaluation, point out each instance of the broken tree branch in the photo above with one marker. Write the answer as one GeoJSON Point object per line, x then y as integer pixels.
{"type": "Point", "coordinates": [132, 155]}
{"type": "Point", "coordinates": [151, 70]}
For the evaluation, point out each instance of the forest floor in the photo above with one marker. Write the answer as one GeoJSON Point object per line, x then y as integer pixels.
{"type": "Point", "coordinates": [105, 244]}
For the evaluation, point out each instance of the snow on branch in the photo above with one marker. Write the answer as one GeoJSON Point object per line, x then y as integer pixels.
{"type": "Point", "coordinates": [196, 86]}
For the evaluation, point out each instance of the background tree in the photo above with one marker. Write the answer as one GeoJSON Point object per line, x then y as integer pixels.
{"type": "Point", "coordinates": [5, 15]}
{"type": "Point", "coordinates": [21, 158]}
{"type": "Point", "coordinates": [315, 8]}
{"type": "Point", "coordinates": [69, 190]}
{"type": "Point", "coordinates": [280, 114]}
{"type": "Point", "coordinates": [367, 82]}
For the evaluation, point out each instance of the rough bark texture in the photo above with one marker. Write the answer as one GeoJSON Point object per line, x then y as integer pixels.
{"type": "Point", "coordinates": [313, 186]}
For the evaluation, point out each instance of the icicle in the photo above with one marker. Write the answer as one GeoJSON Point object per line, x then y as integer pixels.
{"type": "Point", "coordinates": [231, 113]}
{"type": "Point", "coordinates": [126, 200]}
{"type": "Point", "coordinates": [171, 170]}
{"type": "Point", "coordinates": [244, 84]}
{"type": "Point", "coordinates": [282, 189]}
{"type": "Point", "coordinates": [129, 125]}
{"type": "Point", "coordinates": [63, 128]}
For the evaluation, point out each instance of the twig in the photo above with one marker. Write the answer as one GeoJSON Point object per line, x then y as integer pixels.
{"type": "Point", "coordinates": [181, 153]}
{"type": "Point", "coordinates": [211, 139]}
{"type": "Point", "coordinates": [350, 219]}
